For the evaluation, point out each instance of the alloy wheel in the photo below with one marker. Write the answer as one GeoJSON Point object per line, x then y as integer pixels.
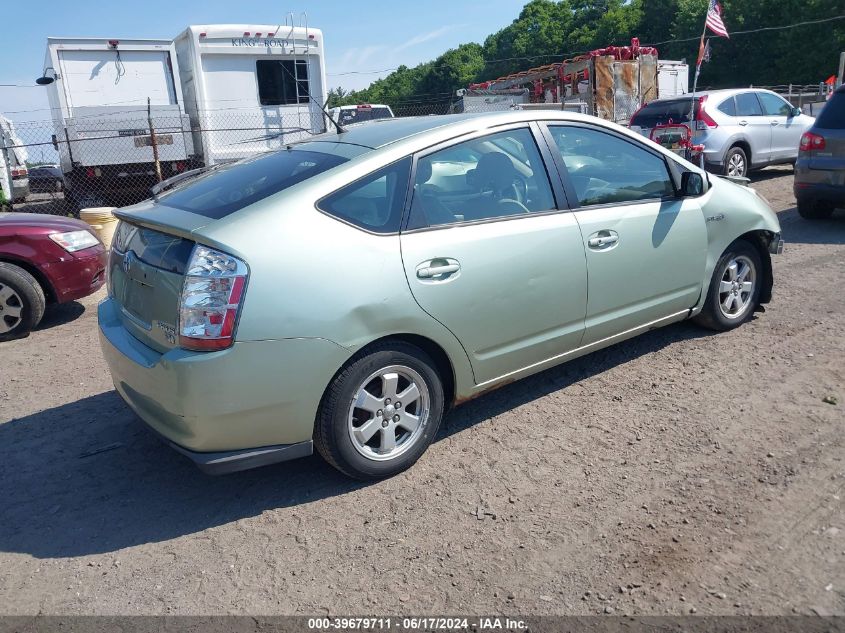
{"type": "Point", "coordinates": [11, 308]}
{"type": "Point", "coordinates": [736, 165]}
{"type": "Point", "coordinates": [388, 413]}
{"type": "Point", "coordinates": [736, 289]}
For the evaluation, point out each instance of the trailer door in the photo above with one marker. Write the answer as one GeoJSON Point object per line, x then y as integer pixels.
{"type": "Point", "coordinates": [116, 77]}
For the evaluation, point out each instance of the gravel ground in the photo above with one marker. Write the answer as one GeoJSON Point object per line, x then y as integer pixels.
{"type": "Point", "coordinates": [679, 472]}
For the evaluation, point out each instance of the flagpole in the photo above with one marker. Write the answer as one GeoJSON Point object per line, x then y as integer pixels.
{"type": "Point", "coordinates": [697, 70]}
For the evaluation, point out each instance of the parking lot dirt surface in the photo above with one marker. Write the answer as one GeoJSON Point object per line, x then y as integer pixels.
{"type": "Point", "coordinates": [681, 472]}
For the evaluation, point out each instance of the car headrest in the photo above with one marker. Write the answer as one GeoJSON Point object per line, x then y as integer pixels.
{"type": "Point", "coordinates": [494, 171]}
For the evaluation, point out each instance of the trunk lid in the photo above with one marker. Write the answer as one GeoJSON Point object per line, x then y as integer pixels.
{"type": "Point", "coordinates": [146, 270]}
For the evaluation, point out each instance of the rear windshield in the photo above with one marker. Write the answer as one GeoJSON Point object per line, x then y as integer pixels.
{"type": "Point", "coordinates": [348, 116]}
{"type": "Point", "coordinates": [832, 116]}
{"type": "Point", "coordinates": [663, 112]}
{"type": "Point", "coordinates": [229, 188]}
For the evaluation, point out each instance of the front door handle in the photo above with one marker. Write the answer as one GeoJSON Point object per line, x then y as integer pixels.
{"type": "Point", "coordinates": [438, 268]}
{"type": "Point", "coordinates": [743, 122]}
{"type": "Point", "coordinates": [775, 122]}
{"type": "Point", "coordinates": [600, 241]}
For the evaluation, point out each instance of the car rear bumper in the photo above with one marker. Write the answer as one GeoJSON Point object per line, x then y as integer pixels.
{"type": "Point", "coordinates": [814, 184]}
{"type": "Point", "coordinates": [246, 406]}
{"type": "Point", "coordinates": [79, 275]}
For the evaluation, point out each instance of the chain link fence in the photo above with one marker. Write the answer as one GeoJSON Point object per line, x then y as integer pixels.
{"type": "Point", "coordinates": [113, 159]}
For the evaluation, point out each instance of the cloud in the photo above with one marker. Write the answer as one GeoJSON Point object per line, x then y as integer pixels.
{"type": "Point", "coordinates": [426, 37]}
{"type": "Point", "coordinates": [356, 57]}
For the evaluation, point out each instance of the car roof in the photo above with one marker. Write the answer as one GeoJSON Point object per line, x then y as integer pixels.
{"type": "Point", "coordinates": [706, 93]}
{"type": "Point", "coordinates": [383, 132]}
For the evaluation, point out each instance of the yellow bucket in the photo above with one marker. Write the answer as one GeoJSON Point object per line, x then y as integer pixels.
{"type": "Point", "coordinates": [103, 222]}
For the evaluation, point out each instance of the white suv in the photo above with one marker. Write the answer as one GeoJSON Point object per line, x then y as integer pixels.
{"type": "Point", "coordinates": [741, 129]}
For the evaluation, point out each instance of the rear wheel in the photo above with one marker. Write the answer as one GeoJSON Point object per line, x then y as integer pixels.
{"type": "Point", "coordinates": [380, 412]}
{"type": "Point", "coordinates": [21, 302]}
{"type": "Point", "coordinates": [813, 210]}
{"type": "Point", "coordinates": [736, 162]}
{"type": "Point", "coordinates": [734, 288]}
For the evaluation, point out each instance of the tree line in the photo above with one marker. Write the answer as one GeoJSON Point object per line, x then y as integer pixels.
{"type": "Point", "coordinates": [548, 31]}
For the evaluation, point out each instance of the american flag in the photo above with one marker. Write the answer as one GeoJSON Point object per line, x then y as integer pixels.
{"type": "Point", "coordinates": [714, 20]}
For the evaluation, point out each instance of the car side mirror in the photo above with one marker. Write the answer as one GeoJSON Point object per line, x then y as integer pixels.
{"type": "Point", "coordinates": [796, 112]}
{"type": "Point", "coordinates": [692, 184]}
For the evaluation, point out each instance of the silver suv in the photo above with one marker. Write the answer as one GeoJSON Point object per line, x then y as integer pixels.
{"type": "Point", "coordinates": [740, 129]}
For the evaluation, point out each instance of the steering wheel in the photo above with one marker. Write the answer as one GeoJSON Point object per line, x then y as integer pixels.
{"type": "Point", "coordinates": [515, 206]}
{"type": "Point", "coordinates": [516, 191]}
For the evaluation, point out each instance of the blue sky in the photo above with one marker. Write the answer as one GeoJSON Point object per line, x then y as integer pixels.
{"type": "Point", "coordinates": [359, 36]}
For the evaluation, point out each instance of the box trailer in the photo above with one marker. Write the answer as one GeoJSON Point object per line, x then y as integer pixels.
{"type": "Point", "coordinates": [105, 96]}
{"type": "Point", "coordinates": [251, 88]}
{"type": "Point", "coordinates": [14, 175]}
{"type": "Point", "coordinates": [672, 78]}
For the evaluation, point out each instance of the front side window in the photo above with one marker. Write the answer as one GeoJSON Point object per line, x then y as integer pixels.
{"type": "Point", "coordinates": [485, 178]}
{"type": "Point", "coordinates": [774, 105]}
{"type": "Point", "coordinates": [282, 81]}
{"type": "Point", "coordinates": [605, 169]}
{"type": "Point", "coordinates": [375, 202]}
{"type": "Point", "coordinates": [747, 104]}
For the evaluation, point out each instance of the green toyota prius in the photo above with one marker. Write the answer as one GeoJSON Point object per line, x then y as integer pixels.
{"type": "Point", "coordinates": [344, 292]}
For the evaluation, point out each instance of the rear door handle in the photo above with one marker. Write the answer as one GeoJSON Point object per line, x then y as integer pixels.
{"type": "Point", "coordinates": [439, 268]}
{"type": "Point", "coordinates": [603, 240]}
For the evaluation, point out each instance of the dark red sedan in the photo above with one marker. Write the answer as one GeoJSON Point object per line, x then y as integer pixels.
{"type": "Point", "coordinates": [44, 259]}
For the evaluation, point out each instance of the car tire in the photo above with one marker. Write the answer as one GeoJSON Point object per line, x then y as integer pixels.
{"type": "Point", "coordinates": [362, 410]}
{"type": "Point", "coordinates": [813, 210]}
{"type": "Point", "coordinates": [22, 302]}
{"type": "Point", "coordinates": [730, 302]}
{"type": "Point", "coordinates": [736, 162]}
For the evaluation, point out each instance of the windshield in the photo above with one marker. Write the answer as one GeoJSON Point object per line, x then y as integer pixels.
{"type": "Point", "coordinates": [229, 188]}
{"type": "Point", "coordinates": [832, 116]}
{"type": "Point", "coordinates": [662, 112]}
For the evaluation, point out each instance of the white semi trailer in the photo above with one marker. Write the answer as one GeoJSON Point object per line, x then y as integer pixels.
{"type": "Point", "coordinates": [104, 94]}
{"type": "Point", "coordinates": [215, 93]}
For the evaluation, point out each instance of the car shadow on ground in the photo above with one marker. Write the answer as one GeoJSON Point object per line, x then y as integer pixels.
{"type": "Point", "coordinates": [60, 314]}
{"type": "Point", "coordinates": [768, 173]}
{"type": "Point", "coordinates": [86, 478]}
{"type": "Point", "coordinates": [798, 230]}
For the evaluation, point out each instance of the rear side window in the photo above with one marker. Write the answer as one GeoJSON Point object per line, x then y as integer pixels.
{"type": "Point", "coordinates": [606, 169]}
{"type": "Point", "coordinates": [375, 202]}
{"type": "Point", "coordinates": [663, 112]}
{"type": "Point", "coordinates": [728, 106]}
{"type": "Point", "coordinates": [282, 82]}
{"type": "Point", "coordinates": [232, 187]}
{"type": "Point", "coordinates": [832, 116]}
{"type": "Point", "coordinates": [748, 105]}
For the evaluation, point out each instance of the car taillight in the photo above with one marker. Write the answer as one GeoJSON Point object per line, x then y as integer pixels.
{"type": "Point", "coordinates": [811, 142]}
{"type": "Point", "coordinates": [211, 297]}
{"type": "Point", "coordinates": [704, 121]}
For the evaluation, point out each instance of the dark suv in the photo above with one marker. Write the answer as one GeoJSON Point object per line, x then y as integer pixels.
{"type": "Point", "coordinates": [820, 168]}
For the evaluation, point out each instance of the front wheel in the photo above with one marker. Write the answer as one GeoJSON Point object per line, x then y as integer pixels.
{"type": "Point", "coordinates": [21, 302]}
{"type": "Point", "coordinates": [734, 288]}
{"type": "Point", "coordinates": [380, 412]}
